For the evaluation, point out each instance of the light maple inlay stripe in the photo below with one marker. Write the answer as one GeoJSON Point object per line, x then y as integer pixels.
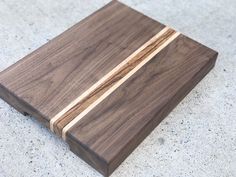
{"type": "Point", "coordinates": [102, 80]}
{"type": "Point", "coordinates": [116, 77]}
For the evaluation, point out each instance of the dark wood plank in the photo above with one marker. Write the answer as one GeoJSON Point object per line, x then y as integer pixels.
{"type": "Point", "coordinates": [67, 66]}
{"type": "Point", "coordinates": [119, 123]}
{"type": "Point", "coordinates": [107, 82]}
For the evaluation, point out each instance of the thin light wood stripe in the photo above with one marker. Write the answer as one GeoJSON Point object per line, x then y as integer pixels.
{"type": "Point", "coordinates": [120, 73]}
{"type": "Point", "coordinates": [155, 45]}
{"type": "Point", "coordinates": [103, 80]}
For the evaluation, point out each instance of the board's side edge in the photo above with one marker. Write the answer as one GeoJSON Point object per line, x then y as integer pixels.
{"type": "Point", "coordinates": [89, 156]}
{"type": "Point", "coordinates": [20, 105]}
{"type": "Point", "coordinates": [147, 129]}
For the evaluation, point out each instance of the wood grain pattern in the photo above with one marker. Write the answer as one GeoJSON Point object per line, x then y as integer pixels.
{"type": "Point", "coordinates": [63, 69]}
{"type": "Point", "coordinates": [107, 82]}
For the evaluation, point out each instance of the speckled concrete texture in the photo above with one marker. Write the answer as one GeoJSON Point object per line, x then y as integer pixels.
{"type": "Point", "coordinates": [197, 139]}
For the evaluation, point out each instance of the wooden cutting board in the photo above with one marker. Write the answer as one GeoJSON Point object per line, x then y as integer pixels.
{"type": "Point", "coordinates": [104, 84]}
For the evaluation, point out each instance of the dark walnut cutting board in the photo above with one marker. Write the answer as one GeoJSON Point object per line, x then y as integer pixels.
{"type": "Point", "coordinates": [104, 84]}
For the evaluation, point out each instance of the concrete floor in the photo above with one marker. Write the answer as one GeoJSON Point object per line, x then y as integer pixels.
{"type": "Point", "coordinates": [197, 139]}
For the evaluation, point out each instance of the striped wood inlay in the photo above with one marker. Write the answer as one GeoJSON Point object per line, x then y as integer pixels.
{"type": "Point", "coordinates": [119, 75]}
{"type": "Point", "coordinates": [91, 91]}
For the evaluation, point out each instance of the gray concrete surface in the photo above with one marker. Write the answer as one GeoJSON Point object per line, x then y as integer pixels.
{"type": "Point", "coordinates": [197, 139]}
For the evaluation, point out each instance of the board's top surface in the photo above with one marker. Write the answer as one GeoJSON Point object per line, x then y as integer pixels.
{"type": "Point", "coordinates": [105, 83]}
